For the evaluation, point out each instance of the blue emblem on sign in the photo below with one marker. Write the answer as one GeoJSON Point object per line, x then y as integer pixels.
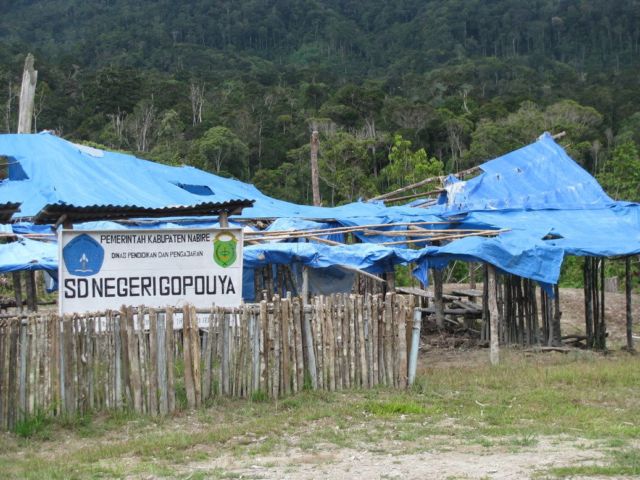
{"type": "Point", "coordinates": [83, 256]}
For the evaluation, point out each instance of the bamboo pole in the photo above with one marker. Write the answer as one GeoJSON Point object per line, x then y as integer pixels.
{"type": "Point", "coordinates": [335, 230]}
{"type": "Point", "coordinates": [421, 183]}
{"type": "Point", "coordinates": [487, 233]}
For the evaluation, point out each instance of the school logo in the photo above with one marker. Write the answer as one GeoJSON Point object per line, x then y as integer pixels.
{"type": "Point", "coordinates": [224, 249]}
{"type": "Point", "coordinates": [83, 256]}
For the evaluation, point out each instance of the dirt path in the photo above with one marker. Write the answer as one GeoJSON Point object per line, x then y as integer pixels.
{"type": "Point", "coordinates": [453, 462]}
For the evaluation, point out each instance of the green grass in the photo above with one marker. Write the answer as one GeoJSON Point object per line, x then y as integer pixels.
{"type": "Point", "coordinates": [621, 463]}
{"type": "Point", "coordinates": [511, 406]}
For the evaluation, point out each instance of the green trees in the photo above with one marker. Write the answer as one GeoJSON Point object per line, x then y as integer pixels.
{"type": "Point", "coordinates": [221, 151]}
{"type": "Point", "coordinates": [407, 167]}
{"type": "Point", "coordinates": [621, 179]}
{"type": "Point", "coordinates": [234, 87]}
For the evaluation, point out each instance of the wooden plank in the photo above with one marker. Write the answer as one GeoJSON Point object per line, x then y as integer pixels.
{"type": "Point", "coordinates": [143, 358]}
{"type": "Point", "coordinates": [318, 324]}
{"type": "Point", "coordinates": [12, 378]}
{"type": "Point", "coordinates": [298, 319]}
{"type": "Point", "coordinates": [208, 360]}
{"type": "Point", "coordinates": [135, 378]}
{"type": "Point", "coordinates": [257, 335]}
{"type": "Point", "coordinates": [352, 329]}
{"type": "Point", "coordinates": [153, 362]}
{"type": "Point", "coordinates": [388, 332]}
{"type": "Point", "coordinates": [125, 366]}
{"type": "Point", "coordinates": [628, 311]}
{"type": "Point", "coordinates": [494, 355]}
{"type": "Point", "coordinates": [247, 348]}
{"type": "Point", "coordinates": [264, 330]}
{"type": "Point", "coordinates": [4, 368]}
{"type": "Point", "coordinates": [33, 387]}
{"type": "Point", "coordinates": [404, 317]}
{"type": "Point", "coordinates": [56, 364]}
{"type": "Point", "coordinates": [163, 392]}
{"type": "Point", "coordinates": [336, 314]}
{"type": "Point", "coordinates": [23, 369]}
{"type": "Point", "coordinates": [362, 347]}
{"type": "Point", "coordinates": [189, 381]}
{"type": "Point", "coordinates": [195, 355]}
{"type": "Point", "coordinates": [225, 364]}
{"type": "Point", "coordinates": [169, 347]}
{"type": "Point", "coordinates": [284, 331]}
{"type": "Point", "coordinates": [330, 345]}
{"type": "Point", "coordinates": [276, 338]}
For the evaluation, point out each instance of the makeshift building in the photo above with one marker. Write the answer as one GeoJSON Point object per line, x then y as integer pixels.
{"type": "Point", "coordinates": [522, 213]}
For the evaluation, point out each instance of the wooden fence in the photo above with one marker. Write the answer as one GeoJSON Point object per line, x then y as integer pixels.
{"type": "Point", "coordinates": [181, 359]}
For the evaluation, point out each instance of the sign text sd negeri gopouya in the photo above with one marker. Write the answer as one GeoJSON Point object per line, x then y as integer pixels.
{"type": "Point", "coordinates": [106, 269]}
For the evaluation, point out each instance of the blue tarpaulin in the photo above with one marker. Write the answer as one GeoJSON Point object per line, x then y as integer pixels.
{"type": "Point", "coordinates": [26, 254]}
{"type": "Point", "coordinates": [550, 205]}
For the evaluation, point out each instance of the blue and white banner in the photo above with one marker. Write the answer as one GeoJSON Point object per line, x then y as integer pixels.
{"type": "Point", "coordinates": [101, 270]}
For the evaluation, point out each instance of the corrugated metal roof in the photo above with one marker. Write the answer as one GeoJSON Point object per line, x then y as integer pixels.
{"type": "Point", "coordinates": [53, 212]}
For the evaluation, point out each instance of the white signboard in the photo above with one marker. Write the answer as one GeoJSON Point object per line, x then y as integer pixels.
{"type": "Point", "coordinates": [102, 270]}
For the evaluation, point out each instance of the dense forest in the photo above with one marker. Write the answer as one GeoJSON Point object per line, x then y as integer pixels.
{"type": "Point", "coordinates": [398, 90]}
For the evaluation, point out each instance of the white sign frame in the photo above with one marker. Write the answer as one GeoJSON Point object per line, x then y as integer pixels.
{"type": "Point", "coordinates": [102, 270]}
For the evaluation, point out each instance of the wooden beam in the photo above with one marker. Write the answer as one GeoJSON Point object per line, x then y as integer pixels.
{"type": "Point", "coordinates": [421, 183]}
{"type": "Point", "coordinates": [326, 231]}
{"type": "Point", "coordinates": [447, 237]}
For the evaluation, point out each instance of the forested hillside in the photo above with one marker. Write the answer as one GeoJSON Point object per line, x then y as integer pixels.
{"type": "Point", "coordinates": [236, 87]}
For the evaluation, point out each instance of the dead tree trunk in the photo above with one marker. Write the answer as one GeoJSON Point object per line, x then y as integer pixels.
{"type": "Point", "coordinates": [27, 98]}
{"type": "Point", "coordinates": [27, 95]}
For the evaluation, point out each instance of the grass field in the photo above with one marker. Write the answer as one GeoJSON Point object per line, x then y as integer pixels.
{"type": "Point", "coordinates": [537, 416]}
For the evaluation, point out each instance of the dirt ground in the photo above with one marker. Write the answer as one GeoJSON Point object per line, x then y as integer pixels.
{"type": "Point", "coordinates": [460, 462]}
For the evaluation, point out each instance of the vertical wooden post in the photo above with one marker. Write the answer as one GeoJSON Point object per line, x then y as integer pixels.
{"type": "Point", "coordinates": [556, 338]}
{"type": "Point", "coordinates": [602, 329]}
{"type": "Point", "coordinates": [22, 368]}
{"type": "Point", "coordinates": [472, 275]}
{"type": "Point", "coordinates": [169, 347]}
{"type": "Point", "coordinates": [223, 219]}
{"type": "Point", "coordinates": [390, 278]}
{"type": "Point", "coordinates": [32, 291]}
{"type": "Point", "coordinates": [484, 331]}
{"type": "Point", "coordinates": [588, 310]}
{"type": "Point", "coordinates": [627, 290]}
{"type": "Point", "coordinates": [315, 176]}
{"type": "Point", "coordinates": [17, 290]}
{"type": "Point", "coordinates": [494, 355]}
{"type": "Point", "coordinates": [438, 302]}
{"type": "Point", "coordinates": [305, 285]}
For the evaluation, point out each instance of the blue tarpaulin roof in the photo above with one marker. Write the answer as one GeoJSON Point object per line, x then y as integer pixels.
{"type": "Point", "coordinates": [47, 170]}
{"type": "Point", "coordinates": [534, 191]}
{"type": "Point", "coordinates": [26, 254]}
{"type": "Point", "coordinates": [540, 176]}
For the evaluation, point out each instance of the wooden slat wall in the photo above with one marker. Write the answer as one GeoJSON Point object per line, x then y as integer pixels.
{"type": "Point", "coordinates": [146, 361]}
